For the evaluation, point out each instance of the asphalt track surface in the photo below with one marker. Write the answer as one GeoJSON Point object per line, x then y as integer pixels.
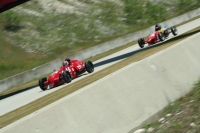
{"type": "Point", "coordinates": [21, 99]}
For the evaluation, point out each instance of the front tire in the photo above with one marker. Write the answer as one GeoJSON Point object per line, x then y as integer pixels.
{"type": "Point", "coordinates": [89, 66]}
{"type": "Point", "coordinates": [161, 36]}
{"type": "Point", "coordinates": [41, 83]}
{"type": "Point", "coordinates": [166, 33]}
{"type": "Point", "coordinates": [174, 30]}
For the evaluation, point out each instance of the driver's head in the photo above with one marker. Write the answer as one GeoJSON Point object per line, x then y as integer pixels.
{"type": "Point", "coordinates": [157, 27]}
{"type": "Point", "coordinates": [68, 60]}
{"type": "Point", "coordinates": [65, 63]}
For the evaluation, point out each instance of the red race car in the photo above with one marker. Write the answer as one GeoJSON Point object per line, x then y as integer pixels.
{"type": "Point", "coordinates": [152, 39]}
{"type": "Point", "coordinates": [66, 73]}
{"type": "Point", "coordinates": [157, 36]}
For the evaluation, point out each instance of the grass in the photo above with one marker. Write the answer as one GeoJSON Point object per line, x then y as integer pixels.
{"type": "Point", "coordinates": [183, 112]}
{"type": "Point", "coordinates": [45, 35]}
{"type": "Point", "coordinates": [48, 99]}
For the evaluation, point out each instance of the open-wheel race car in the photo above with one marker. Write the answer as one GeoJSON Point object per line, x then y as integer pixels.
{"type": "Point", "coordinates": [158, 36]}
{"type": "Point", "coordinates": [66, 73]}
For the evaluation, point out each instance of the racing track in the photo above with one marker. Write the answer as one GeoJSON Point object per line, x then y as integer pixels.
{"type": "Point", "coordinates": [21, 99]}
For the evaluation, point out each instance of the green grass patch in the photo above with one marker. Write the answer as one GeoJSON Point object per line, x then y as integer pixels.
{"type": "Point", "coordinates": [184, 111]}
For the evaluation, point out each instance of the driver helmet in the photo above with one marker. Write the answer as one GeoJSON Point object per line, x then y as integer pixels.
{"type": "Point", "coordinates": [157, 27]}
{"type": "Point", "coordinates": [68, 60]}
{"type": "Point", "coordinates": [65, 63]}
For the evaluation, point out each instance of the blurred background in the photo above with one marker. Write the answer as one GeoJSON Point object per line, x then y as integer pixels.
{"type": "Point", "coordinates": [40, 31]}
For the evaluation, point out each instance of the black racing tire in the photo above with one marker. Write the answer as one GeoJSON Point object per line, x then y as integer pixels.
{"type": "Point", "coordinates": [161, 36]}
{"type": "Point", "coordinates": [89, 66]}
{"type": "Point", "coordinates": [41, 83]}
{"type": "Point", "coordinates": [141, 42]}
{"type": "Point", "coordinates": [166, 33]}
{"type": "Point", "coordinates": [174, 30]}
{"type": "Point", "coordinates": [67, 76]}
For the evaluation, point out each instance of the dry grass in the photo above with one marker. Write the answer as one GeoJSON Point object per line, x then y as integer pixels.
{"type": "Point", "coordinates": [183, 112]}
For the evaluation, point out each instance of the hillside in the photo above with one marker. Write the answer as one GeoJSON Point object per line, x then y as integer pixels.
{"type": "Point", "coordinates": [42, 30]}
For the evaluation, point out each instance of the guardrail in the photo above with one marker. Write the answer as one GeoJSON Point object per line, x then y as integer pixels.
{"type": "Point", "coordinates": [49, 67]}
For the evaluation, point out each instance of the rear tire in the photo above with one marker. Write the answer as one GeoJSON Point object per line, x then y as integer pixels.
{"type": "Point", "coordinates": [141, 42]}
{"type": "Point", "coordinates": [41, 83]}
{"type": "Point", "coordinates": [89, 66]}
{"type": "Point", "coordinates": [67, 76]}
{"type": "Point", "coordinates": [174, 30]}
